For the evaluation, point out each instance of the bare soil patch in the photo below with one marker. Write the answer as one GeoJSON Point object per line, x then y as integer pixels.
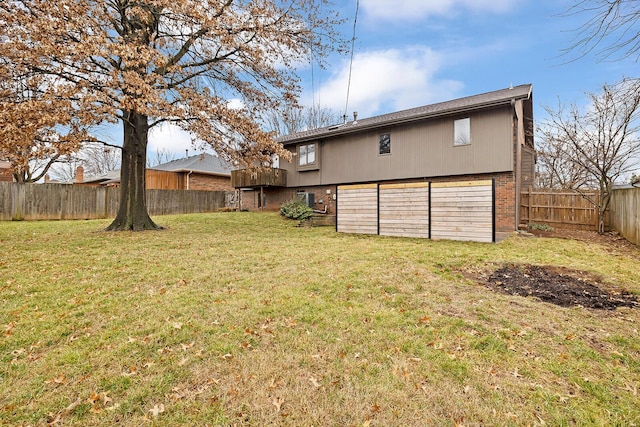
{"type": "Point", "coordinates": [560, 286]}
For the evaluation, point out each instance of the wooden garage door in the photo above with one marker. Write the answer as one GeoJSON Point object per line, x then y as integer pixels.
{"type": "Point", "coordinates": [404, 210]}
{"type": "Point", "coordinates": [462, 211]}
{"type": "Point", "coordinates": [358, 209]}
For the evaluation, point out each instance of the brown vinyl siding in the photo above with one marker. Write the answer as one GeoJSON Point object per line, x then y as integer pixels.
{"type": "Point", "coordinates": [424, 149]}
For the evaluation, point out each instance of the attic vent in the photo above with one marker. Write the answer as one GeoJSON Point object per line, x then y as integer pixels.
{"type": "Point", "coordinates": [335, 126]}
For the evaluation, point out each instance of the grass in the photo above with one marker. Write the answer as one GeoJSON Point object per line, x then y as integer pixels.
{"type": "Point", "coordinates": [245, 319]}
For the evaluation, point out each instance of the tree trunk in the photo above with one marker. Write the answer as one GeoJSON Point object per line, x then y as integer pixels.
{"type": "Point", "coordinates": [132, 212]}
{"type": "Point", "coordinates": [603, 204]}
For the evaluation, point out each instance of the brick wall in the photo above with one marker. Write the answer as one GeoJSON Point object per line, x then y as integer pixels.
{"type": "Point", "coordinates": [209, 182]}
{"type": "Point", "coordinates": [5, 175]}
{"type": "Point", "coordinates": [275, 197]}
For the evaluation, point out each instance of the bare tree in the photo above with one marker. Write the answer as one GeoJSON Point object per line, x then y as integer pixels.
{"type": "Point", "coordinates": [147, 62]}
{"type": "Point", "coordinates": [318, 117]}
{"type": "Point", "coordinates": [285, 120]}
{"type": "Point", "coordinates": [555, 170]}
{"type": "Point", "coordinates": [611, 28]}
{"type": "Point", "coordinates": [98, 159]}
{"type": "Point", "coordinates": [95, 158]}
{"type": "Point", "coordinates": [602, 140]}
{"type": "Point", "coordinates": [292, 119]}
{"type": "Point", "coordinates": [159, 157]}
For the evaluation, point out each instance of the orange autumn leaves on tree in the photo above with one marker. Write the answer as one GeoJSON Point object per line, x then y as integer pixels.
{"type": "Point", "coordinates": [150, 62]}
{"type": "Point", "coordinates": [36, 126]}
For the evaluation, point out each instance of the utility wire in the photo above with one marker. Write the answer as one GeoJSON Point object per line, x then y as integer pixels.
{"type": "Point", "coordinates": [353, 42]}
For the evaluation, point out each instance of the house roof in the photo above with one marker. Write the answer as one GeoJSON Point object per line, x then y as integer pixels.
{"type": "Point", "coordinates": [469, 103]}
{"type": "Point", "coordinates": [111, 176]}
{"type": "Point", "coordinates": [201, 163]}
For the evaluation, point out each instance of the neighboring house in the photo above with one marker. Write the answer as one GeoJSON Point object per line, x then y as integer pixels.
{"type": "Point", "coordinates": [449, 170]}
{"type": "Point", "coordinates": [109, 179]}
{"type": "Point", "coordinates": [199, 172]}
{"type": "Point", "coordinates": [5, 172]}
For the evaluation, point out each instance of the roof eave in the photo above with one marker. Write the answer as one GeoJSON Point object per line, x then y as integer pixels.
{"type": "Point", "coordinates": [197, 171]}
{"type": "Point", "coordinates": [345, 129]}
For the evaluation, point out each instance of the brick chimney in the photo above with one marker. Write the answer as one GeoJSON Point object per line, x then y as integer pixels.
{"type": "Point", "coordinates": [47, 179]}
{"type": "Point", "coordinates": [79, 174]}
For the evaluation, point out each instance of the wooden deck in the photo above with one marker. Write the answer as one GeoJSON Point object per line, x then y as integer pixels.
{"type": "Point", "coordinates": [249, 178]}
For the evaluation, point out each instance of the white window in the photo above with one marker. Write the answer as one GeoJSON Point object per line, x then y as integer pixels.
{"type": "Point", "coordinates": [306, 154]}
{"type": "Point", "coordinates": [462, 131]}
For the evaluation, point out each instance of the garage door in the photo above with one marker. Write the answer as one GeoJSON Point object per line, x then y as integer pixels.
{"type": "Point", "coordinates": [358, 209]}
{"type": "Point", "coordinates": [404, 209]}
{"type": "Point", "coordinates": [463, 211]}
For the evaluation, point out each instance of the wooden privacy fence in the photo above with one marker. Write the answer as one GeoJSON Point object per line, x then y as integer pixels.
{"type": "Point", "coordinates": [560, 208]}
{"type": "Point", "coordinates": [625, 213]}
{"type": "Point", "coordinates": [63, 201]}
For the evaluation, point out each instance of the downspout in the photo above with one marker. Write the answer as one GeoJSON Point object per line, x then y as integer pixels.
{"type": "Point", "coordinates": [518, 166]}
{"type": "Point", "coordinates": [190, 172]}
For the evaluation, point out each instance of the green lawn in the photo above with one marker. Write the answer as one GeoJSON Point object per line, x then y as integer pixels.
{"type": "Point", "coordinates": [246, 319]}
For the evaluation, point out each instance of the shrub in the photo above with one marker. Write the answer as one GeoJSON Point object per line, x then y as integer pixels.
{"type": "Point", "coordinates": [541, 226]}
{"type": "Point", "coordinates": [296, 209]}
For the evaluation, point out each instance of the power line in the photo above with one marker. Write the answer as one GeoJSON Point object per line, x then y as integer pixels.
{"type": "Point", "coordinates": [353, 42]}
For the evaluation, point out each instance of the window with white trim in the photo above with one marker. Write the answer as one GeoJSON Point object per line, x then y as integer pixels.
{"type": "Point", "coordinates": [462, 131]}
{"type": "Point", "coordinates": [307, 154]}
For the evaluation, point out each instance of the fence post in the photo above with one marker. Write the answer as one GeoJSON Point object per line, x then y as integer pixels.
{"type": "Point", "coordinates": [101, 202]}
{"type": "Point", "coordinates": [17, 202]}
{"type": "Point", "coordinates": [529, 202]}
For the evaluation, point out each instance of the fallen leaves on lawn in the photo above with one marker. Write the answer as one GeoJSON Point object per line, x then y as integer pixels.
{"type": "Point", "coordinates": [56, 419]}
{"type": "Point", "coordinates": [425, 320]}
{"type": "Point", "coordinates": [186, 347]}
{"type": "Point", "coordinates": [157, 410]}
{"type": "Point", "coordinates": [277, 402]}
{"type": "Point", "coordinates": [8, 328]}
{"type": "Point", "coordinates": [314, 382]}
{"type": "Point", "coordinates": [101, 401]}
{"type": "Point", "coordinates": [57, 381]}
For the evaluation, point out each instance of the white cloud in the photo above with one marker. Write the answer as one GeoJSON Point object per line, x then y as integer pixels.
{"type": "Point", "coordinates": [235, 104]}
{"type": "Point", "coordinates": [168, 138]}
{"type": "Point", "coordinates": [419, 9]}
{"type": "Point", "coordinates": [390, 80]}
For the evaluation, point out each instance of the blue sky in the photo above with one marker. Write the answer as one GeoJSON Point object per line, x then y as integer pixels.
{"type": "Point", "coordinates": [410, 53]}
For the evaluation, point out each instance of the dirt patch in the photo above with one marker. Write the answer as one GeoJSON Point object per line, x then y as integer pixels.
{"type": "Point", "coordinates": [560, 286]}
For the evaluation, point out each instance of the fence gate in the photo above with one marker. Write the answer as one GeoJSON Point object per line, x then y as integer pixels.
{"type": "Point", "coordinates": [357, 209]}
{"type": "Point", "coordinates": [404, 210]}
{"type": "Point", "coordinates": [463, 211]}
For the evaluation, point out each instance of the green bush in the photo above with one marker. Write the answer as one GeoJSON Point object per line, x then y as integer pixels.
{"type": "Point", "coordinates": [540, 226]}
{"type": "Point", "coordinates": [296, 209]}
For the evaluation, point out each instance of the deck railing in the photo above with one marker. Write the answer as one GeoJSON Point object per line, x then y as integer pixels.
{"type": "Point", "coordinates": [248, 178]}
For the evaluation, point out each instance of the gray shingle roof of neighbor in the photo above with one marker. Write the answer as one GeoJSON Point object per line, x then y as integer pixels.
{"type": "Point", "coordinates": [111, 176]}
{"type": "Point", "coordinates": [203, 163]}
{"type": "Point", "coordinates": [469, 103]}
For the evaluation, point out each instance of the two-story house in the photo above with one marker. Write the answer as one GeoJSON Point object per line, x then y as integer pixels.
{"type": "Point", "coordinates": [450, 170]}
